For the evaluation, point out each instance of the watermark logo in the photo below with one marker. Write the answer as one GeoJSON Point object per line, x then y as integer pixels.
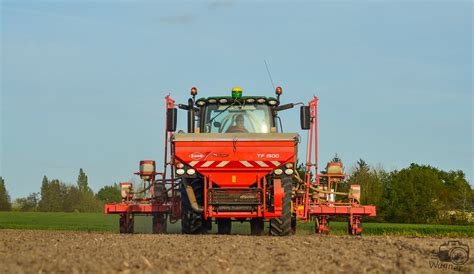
{"type": "Point", "coordinates": [451, 255]}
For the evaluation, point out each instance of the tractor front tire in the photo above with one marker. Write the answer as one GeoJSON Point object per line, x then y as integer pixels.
{"type": "Point", "coordinates": [282, 226]}
{"type": "Point", "coordinates": [191, 221]}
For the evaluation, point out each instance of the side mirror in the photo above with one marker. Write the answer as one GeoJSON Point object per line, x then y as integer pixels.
{"type": "Point", "coordinates": [305, 117]}
{"type": "Point", "coordinates": [185, 107]}
{"type": "Point", "coordinates": [285, 106]}
{"type": "Point", "coordinates": [171, 119]}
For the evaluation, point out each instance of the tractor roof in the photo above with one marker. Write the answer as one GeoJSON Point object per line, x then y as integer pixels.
{"type": "Point", "coordinates": [242, 98]}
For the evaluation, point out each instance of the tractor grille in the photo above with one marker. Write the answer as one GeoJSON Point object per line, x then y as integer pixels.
{"type": "Point", "coordinates": [235, 196]}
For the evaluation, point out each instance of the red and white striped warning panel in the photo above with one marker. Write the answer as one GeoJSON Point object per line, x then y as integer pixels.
{"type": "Point", "coordinates": [235, 164]}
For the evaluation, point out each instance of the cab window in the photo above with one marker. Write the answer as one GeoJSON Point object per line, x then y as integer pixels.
{"type": "Point", "coordinates": [237, 118]}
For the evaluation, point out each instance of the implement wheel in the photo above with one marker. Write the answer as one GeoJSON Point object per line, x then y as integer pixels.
{"type": "Point", "coordinates": [354, 227]}
{"type": "Point", "coordinates": [224, 226]}
{"type": "Point", "coordinates": [321, 225]}
{"type": "Point", "coordinates": [256, 226]}
{"type": "Point", "coordinates": [191, 221]}
{"type": "Point", "coordinates": [159, 223]}
{"type": "Point", "coordinates": [282, 226]}
{"type": "Point", "coordinates": [126, 223]}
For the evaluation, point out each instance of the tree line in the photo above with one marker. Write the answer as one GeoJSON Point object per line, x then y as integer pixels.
{"type": "Point", "coordinates": [57, 196]}
{"type": "Point", "coordinates": [415, 194]}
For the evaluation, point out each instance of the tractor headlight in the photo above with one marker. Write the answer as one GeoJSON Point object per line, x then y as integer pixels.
{"type": "Point", "coordinates": [250, 100]}
{"type": "Point", "coordinates": [180, 171]}
{"type": "Point", "coordinates": [179, 165]}
{"type": "Point", "coordinates": [289, 171]}
{"type": "Point", "coordinates": [273, 102]}
{"type": "Point", "coordinates": [201, 103]}
{"type": "Point", "coordinates": [223, 101]}
{"type": "Point", "coordinates": [191, 171]}
{"type": "Point", "coordinates": [212, 101]}
{"type": "Point", "coordinates": [278, 171]}
{"type": "Point", "coordinates": [261, 100]}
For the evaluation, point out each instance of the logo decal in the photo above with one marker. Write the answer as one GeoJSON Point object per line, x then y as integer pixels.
{"type": "Point", "coordinates": [220, 155]}
{"type": "Point", "coordinates": [196, 156]}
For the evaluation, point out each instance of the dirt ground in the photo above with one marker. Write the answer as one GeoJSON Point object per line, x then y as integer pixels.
{"type": "Point", "coordinates": [24, 251]}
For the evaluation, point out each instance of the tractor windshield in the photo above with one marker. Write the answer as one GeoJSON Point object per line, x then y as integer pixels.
{"type": "Point", "coordinates": [237, 119]}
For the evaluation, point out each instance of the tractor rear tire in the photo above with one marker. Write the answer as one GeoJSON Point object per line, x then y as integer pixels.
{"type": "Point", "coordinates": [191, 221]}
{"type": "Point", "coordinates": [159, 223]}
{"type": "Point", "coordinates": [282, 226]}
{"type": "Point", "coordinates": [256, 226]}
{"type": "Point", "coordinates": [224, 226]}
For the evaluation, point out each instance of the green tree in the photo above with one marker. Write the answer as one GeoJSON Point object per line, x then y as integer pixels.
{"type": "Point", "coordinates": [109, 194]}
{"type": "Point", "coordinates": [88, 201]}
{"type": "Point", "coordinates": [5, 204]}
{"type": "Point", "coordinates": [89, 204]}
{"type": "Point", "coordinates": [45, 195]}
{"type": "Point", "coordinates": [30, 203]}
{"type": "Point", "coordinates": [52, 195]}
{"type": "Point", "coordinates": [414, 195]}
{"type": "Point", "coordinates": [370, 181]}
{"type": "Point", "coordinates": [424, 194]}
{"type": "Point", "coordinates": [72, 199]}
{"type": "Point", "coordinates": [57, 192]}
{"type": "Point", "coordinates": [458, 192]}
{"type": "Point", "coordinates": [82, 182]}
{"type": "Point", "coordinates": [58, 196]}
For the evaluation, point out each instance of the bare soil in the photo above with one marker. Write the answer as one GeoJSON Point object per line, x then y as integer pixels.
{"type": "Point", "coordinates": [24, 251]}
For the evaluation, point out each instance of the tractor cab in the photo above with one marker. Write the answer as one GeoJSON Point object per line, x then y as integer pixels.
{"type": "Point", "coordinates": [236, 116]}
{"type": "Point", "coordinates": [236, 113]}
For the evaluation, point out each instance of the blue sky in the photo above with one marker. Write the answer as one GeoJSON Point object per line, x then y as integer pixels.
{"type": "Point", "coordinates": [83, 82]}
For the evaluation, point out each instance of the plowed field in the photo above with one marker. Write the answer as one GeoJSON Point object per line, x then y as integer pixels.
{"type": "Point", "coordinates": [26, 251]}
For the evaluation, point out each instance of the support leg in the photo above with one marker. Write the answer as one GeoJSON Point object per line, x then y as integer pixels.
{"type": "Point", "coordinates": [322, 225]}
{"type": "Point", "coordinates": [126, 223]}
{"type": "Point", "coordinates": [354, 226]}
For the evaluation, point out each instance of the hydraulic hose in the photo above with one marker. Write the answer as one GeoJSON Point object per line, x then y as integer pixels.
{"type": "Point", "coordinates": [298, 178]}
{"type": "Point", "coordinates": [192, 198]}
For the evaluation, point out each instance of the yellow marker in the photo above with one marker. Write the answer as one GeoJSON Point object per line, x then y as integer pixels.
{"type": "Point", "coordinates": [237, 89]}
{"type": "Point", "coordinates": [234, 179]}
{"type": "Point", "coordinates": [300, 208]}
